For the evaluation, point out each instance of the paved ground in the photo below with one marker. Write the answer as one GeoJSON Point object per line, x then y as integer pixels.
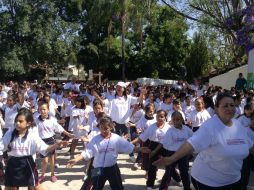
{"type": "Point", "coordinates": [71, 179]}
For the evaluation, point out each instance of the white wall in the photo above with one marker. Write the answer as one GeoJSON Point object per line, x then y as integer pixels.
{"type": "Point", "coordinates": [227, 80]}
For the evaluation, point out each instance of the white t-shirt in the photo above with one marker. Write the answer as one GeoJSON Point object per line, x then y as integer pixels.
{"type": "Point", "coordinates": [120, 108]}
{"type": "Point", "coordinates": [24, 105]}
{"type": "Point", "coordinates": [10, 114]}
{"type": "Point", "coordinates": [23, 146]}
{"type": "Point", "coordinates": [156, 104]}
{"type": "Point", "coordinates": [174, 138]}
{"type": "Point", "coordinates": [154, 133]}
{"type": "Point", "coordinates": [100, 147]}
{"type": "Point", "coordinates": [198, 118]}
{"type": "Point", "coordinates": [166, 107]}
{"type": "Point", "coordinates": [48, 127]}
{"type": "Point", "coordinates": [187, 111]}
{"type": "Point", "coordinates": [221, 152]}
{"type": "Point", "coordinates": [250, 133]}
{"type": "Point", "coordinates": [135, 117]}
{"type": "Point", "coordinates": [144, 123]}
{"type": "Point", "coordinates": [244, 121]}
{"type": "Point", "coordinates": [72, 86]}
{"type": "Point", "coordinates": [77, 117]}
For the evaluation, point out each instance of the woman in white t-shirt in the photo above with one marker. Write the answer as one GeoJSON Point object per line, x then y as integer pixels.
{"type": "Point", "coordinates": [120, 107]}
{"type": "Point", "coordinates": [222, 145]}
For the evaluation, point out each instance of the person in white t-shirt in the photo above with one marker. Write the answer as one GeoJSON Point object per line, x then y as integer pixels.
{"type": "Point", "coordinates": [189, 107]}
{"type": "Point", "coordinates": [10, 111]}
{"type": "Point", "coordinates": [72, 85]}
{"type": "Point", "coordinates": [199, 115]}
{"type": "Point", "coordinates": [222, 144]}
{"type": "Point", "coordinates": [244, 119]}
{"type": "Point", "coordinates": [167, 102]}
{"type": "Point", "coordinates": [21, 144]}
{"type": "Point", "coordinates": [155, 133]}
{"type": "Point", "coordinates": [248, 163]}
{"type": "Point", "coordinates": [47, 127]}
{"type": "Point", "coordinates": [105, 148]}
{"type": "Point", "coordinates": [120, 107]}
{"type": "Point", "coordinates": [174, 138]}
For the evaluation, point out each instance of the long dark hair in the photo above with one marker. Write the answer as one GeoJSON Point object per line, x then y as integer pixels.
{"type": "Point", "coordinates": [29, 119]}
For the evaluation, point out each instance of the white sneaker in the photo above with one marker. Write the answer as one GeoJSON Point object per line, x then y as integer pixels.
{"type": "Point", "coordinates": [149, 188]}
{"type": "Point", "coordinates": [135, 166]}
{"type": "Point", "coordinates": [132, 158]}
{"type": "Point", "coordinates": [85, 176]}
{"type": "Point", "coordinates": [175, 183]}
{"type": "Point", "coordinates": [57, 165]}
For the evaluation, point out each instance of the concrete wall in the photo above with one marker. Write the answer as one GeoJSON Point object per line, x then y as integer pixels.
{"type": "Point", "coordinates": [227, 80]}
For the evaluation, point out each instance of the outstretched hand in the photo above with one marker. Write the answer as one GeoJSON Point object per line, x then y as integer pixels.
{"type": "Point", "coordinates": [62, 144]}
{"type": "Point", "coordinates": [71, 163]}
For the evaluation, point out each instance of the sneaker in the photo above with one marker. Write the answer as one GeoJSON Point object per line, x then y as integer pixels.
{"type": "Point", "coordinates": [53, 178]}
{"type": "Point", "coordinates": [57, 165]}
{"type": "Point", "coordinates": [135, 166]}
{"type": "Point", "coordinates": [132, 158]}
{"type": "Point", "coordinates": [85, 176]}
{"type": "Point", "coordinates": [175, 183]}
{"type": "Point", "coordinates": [41, 178]}
{"type": "Point", "coordinates": [149, 188]}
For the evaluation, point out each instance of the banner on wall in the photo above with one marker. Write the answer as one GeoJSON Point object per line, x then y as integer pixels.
{"type": "Point", "coordinates": [250, 75]}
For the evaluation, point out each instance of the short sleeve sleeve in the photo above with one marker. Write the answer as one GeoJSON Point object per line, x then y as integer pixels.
{"type": "Point", "coordinates": [145, 135]}
{"type": "Point", "coordinates": [124, 146]}
{"type": "Point", "coordinates": [40, 146]}
{"type": "Point", "coordinates": [202, 138]}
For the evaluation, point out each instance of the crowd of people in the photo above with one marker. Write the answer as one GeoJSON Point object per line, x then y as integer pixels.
{"type": "Point", "coordinates": [164, 125]}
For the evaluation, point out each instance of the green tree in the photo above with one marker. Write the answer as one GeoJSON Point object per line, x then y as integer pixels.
{"type": "Point", "coordinates": [34, 33]}
{"type": "Point", "coordinates": [165, 45]}
{"type": "Point", "coordinates": [198, 61]}
{"type": "Point", "coordinates": [216, 15]}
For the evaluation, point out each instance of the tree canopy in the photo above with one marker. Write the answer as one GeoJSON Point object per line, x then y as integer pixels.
{"type": "Point", "coordinates": [118, 37]}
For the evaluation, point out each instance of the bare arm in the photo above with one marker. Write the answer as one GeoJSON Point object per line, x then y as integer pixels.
{"type": "Point", "coordinates": [72, 162]}
{"type": "Point", "coordinates": [184, 150]}
{"type": "Point", "coordinates": [56, 145]}
{"type": "Point", "coordinates": [136, 140]}
{"type": "Point", "coordinates": [68, 134]}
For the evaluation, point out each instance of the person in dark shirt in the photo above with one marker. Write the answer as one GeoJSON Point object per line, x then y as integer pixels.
{"type": "Point", "coordinates": [241, 82]}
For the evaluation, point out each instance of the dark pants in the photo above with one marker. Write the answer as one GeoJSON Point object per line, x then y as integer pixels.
{"type": "Point", "coordinates": [183, 165]}
{"type": "Point", "coordinates": [88, 183]}
{"type": "Point", "coordinates": [144, 156]}
{"type": "Point", "coordinates": [200, 186]}
{"type": "Point", "coordinates": [121, 129]}
{"type": "Point", "coordinates": [66, 126]}
{"type": "Point", "coordinates": [152, 170]}
{"type": "Point", "coordinates": [113, 175]}
{"type": "Point", "coordinates": [248, 166]}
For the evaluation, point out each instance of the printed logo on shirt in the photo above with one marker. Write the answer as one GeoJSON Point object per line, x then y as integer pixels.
{"type": "Point", "coordinates": [235, 141]}
{"type": "Point", "coordinates": [21, 149]}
